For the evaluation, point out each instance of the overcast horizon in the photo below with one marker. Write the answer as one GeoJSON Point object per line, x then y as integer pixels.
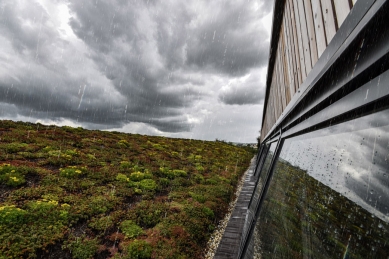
{"type": "Point", "coordinates": [193, 69]}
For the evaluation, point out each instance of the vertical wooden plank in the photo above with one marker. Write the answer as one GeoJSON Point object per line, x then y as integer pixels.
{"type": "Point", "coordinates": [277, 96]}
{"type": "Point", "coordinates": [305, 37]}
{"type": "Point", "coordinates": [281, 70]}
{"type": "Point", "coordinates": [342, 9]}
{"type": "Point", "coordinates": [319, 27]}
{"type": "Point", "coordinates": [292, 50]}
{"type": "Point", "coordinates": [287, 77]}
{"type": "Point", "coordinates": [273, 110]}
{"type": "Point", "coordinates": [295, 44]}
{"type": "Point", "coordinates": [329, 19]}
{"type": "Point", "coordinates": [299, 40]}
{"type": "Point", "coordinates": [275, 100]}
{"type": "Point", "coordinates": [274, 107]}
{"type": "Point", "coordinates": [269, 110]}
{"type": "Point", "coordinates": [282, 85]}
{"type": "Point", "coordinates": [284, 68]}
{"type": "Point", "coordinates": [288, 56]}
{"type": "Point", "coordinates": [273, 93]}
{"type": "Point", "coordinates": [311, 31]}
{"type": "Point", "coordinates": [285, 84]}
{"type": "Point", "coordinates": [280, 82]}
{"type": "Point", "coordinates": [290, 47]}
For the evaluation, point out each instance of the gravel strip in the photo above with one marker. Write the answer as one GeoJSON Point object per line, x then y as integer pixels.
{"type": "Point", "coordinates": [217, 235]}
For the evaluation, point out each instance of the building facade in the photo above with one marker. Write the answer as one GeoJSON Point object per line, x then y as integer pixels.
{"type": "Point", "coordinates": [322, 171]}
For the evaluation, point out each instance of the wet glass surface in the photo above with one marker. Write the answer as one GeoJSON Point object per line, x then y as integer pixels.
{"type": "Point", "coordinates": [262, 177]}
{"type": "Point", "coordinates": [258, 189]}
{"type": "Point", "coordinates": [329, 195]}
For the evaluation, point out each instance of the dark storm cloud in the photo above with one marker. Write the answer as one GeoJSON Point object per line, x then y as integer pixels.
{"type": "Point", "coordinates": [227, 40]}
{"type": "Point", "coordinates": [128, 61]}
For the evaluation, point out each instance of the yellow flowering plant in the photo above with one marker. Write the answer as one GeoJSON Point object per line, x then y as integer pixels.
{"type": "Point", "coordinates": [72, 171]}
{"type": "Point", "coordinates": [11, 176]}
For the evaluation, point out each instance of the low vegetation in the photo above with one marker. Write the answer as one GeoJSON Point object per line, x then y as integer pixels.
{"type": "Point", "coordinates": [73, 193]}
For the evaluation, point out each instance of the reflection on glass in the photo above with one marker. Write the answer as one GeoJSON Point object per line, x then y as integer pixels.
{"type": "Point", "coordinates": [265, 169]}
{"type": "Point", "coordinates": [262, 158]}
{"type": "Point", "coordinates": [262, 177]}
{"type": "Point", "coordinates": [258, 189]}
{"type": "Point", "coordinates": [329, 195]}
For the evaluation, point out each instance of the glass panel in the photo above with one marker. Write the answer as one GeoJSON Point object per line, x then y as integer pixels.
{"type": "Point", "coordinates": [262, 158]}
{"type": "Point", "coordinates": [329, 195]}
{"type": "Point", "coordinates": [258, 189]}
{"type": "Point", "coordinates": [262, 176]}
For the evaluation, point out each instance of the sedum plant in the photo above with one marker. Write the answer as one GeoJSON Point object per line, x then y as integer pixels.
{"type": "Point", "coordinates": [130, 229]}
{"type": "Point", "coordinates": [72, 171]}
{"type": "Point", "coordinates": [11, 175]}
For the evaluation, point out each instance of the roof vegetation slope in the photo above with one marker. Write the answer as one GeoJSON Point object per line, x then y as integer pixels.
{"type": "Point", "coordinates": [74, 193]}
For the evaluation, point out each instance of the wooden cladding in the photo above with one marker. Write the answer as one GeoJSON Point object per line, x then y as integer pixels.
{"type": "Point", "coordinates": [306, 29]}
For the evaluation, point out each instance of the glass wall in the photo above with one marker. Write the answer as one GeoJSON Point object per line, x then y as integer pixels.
{"type": "Point", "coordinates": [329, 194]}
{"type": "Point", "coordinates": [261, 180]}
{"type": "Point", "coordinates": [262, 176]}
{"type": "Point", "coordinates": [265, 149]}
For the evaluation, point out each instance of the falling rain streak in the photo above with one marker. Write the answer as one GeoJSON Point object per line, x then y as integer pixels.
{"type": "Point", "coordinates": [78, 62]}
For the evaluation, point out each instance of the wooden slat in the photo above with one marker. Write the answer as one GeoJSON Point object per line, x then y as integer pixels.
{"type": "Point", "coordinates": [292, 49]}
{"type": "Point", "coordinates": [284, 68]}
{"type": "Point", "coordinates": [305, 37]}
{"type": "Point", "coordinates": [279, 86]}
{"type": "Point", "coordinates": [288, 53]}
{"type": "Point", "coordinates": [311, 31]}
{"type": "Point", "coordinates": [277, 96]}
{"type": "Point", "coordinates": [273, 92]}
{"type": "Point", "coordinates": [329, 19]}
{"type": "Point", "coordinates": [285, 84]}
{"type": "Point", "coordinates": [319, 27]}
{"type": "Point", "coordinates": [342, 9]}
{"type": "Point", "coordinates": [281, 71]}
{"type": "Point", "coordinates": [299, 40]}
{"type": "Point", "coordinates": [275, 101]}
{"type": "Point", "coordinates": [296, 47]}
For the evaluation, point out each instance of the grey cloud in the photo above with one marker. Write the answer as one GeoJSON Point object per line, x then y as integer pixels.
{"type": "Point", "coordinates": [228, 40]}
{"type": "Point", "coordinates": [131, 61]}
{"type": "Point", "coordinates": [29, 29]}
{"type": "Point", "coordinates": [243, 92]}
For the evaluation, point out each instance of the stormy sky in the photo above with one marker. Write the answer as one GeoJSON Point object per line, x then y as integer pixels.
{"type": "Point", "coordinates": [191, 69]}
